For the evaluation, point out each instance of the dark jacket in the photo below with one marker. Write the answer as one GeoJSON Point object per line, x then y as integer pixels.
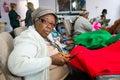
{"type": "Point", "coordinates": [28, 19]}
{"type": "Point", "coordinates": [14, 21]}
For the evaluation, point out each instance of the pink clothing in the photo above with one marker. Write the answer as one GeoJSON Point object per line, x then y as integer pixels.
{"type": "Point", "coordinates": [96, 26]}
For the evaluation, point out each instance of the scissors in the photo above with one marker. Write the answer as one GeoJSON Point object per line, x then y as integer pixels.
{"type": "Point", "coordinates": [74, 55]}
{"type": "Point", "coordinates": [67, 56]}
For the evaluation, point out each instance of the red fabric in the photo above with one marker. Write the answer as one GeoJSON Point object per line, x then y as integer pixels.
{"type": "Point", "coordinates": [97, 62]}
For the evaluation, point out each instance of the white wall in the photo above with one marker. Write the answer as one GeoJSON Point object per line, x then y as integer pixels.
{"type": "Point", "coordinates": [4, 15]}
{"type": "Point", "coordinates": [51, 4]}
{"type": "Point", "coordinates": [48, 3]}
{"type": "Point", "coordinates": [35, 2]}
{"type": "Point", "coordinates": [21, 10]}
{"type": "Point", "coordinates": [95, 7]}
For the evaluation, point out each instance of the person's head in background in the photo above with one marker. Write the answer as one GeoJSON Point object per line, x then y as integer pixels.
{"type": "Point", "coordinates": [30, 6]}
{"type": "Point", "coordinates": [44, 20]}
{"type": "Point", "coordinates": [13, 6]}
{"type": "Point", "coordinates": [104, 12]}
{"type": "Point", "coordinates": [84, 13]}
{"type": "Point", "coordinates": [102, 17]}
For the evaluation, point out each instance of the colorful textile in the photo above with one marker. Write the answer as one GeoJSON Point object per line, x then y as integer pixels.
{"type": "Point", "coordinates": [97, 62]}
{"type": "Point", "coordinates": [96, 26]}
{"type": "Point", "coordinates": [95, 39]}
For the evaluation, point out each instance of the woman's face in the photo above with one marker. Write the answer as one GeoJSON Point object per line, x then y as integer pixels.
{"type": "Point", "coordinates": [15, 7]}
{"type": "Point", "coordinates": [86, 15]}
{"type": "Point", "coordinates": [104, 13]}
{"type": "Point", "coordinates": [29, 5]}
{"type": "Point", "coordinates": [45, 24]}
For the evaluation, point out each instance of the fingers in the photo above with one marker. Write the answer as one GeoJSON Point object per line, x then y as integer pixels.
{"type": "Point", "coordinates": [60, 58]}
{"type": "Point", "coordinates": [57, 59]}
{"type": "Point", "coordinates": [61, 62]}
{"type": "Point", "coordinates": [65, 56]}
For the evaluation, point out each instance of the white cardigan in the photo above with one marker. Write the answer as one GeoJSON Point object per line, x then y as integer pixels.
{"type": "Point", "coordinates": [30, 56]}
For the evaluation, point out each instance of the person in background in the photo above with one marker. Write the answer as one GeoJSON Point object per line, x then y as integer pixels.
{"type": "Point", "coordinates": [56, 35]}
{"type": "Point", "coordinates": [104, 13]}
{"type": "Point", "coordinates": [113, 29]}
{"type": "Point", "coordinates": [61, 40]}
{"type": "Point", "coordinates": [40, 59]}
{"type": "Point", "coordinates": [28, 18]}
{"type": "Point", "coordinates": [13, 16]}
{"type": "Point", "coordinates": [102, 19]}
{"type": "Point", "coordinates": [82, 23]}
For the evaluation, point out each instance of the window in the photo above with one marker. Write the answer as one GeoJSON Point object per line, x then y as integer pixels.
{"type": "Point", "coordinates": [69, 6]}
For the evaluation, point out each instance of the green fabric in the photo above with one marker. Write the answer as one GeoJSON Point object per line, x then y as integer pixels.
{"type": "Point", "coordinates": [95, 39]}
{"type": "Point", "coordinates": [106, 24]}
{"type": "Point", "coordinates": [113, 39]}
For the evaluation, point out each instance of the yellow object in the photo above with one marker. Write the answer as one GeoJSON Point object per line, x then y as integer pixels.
{"type": "Point", "coordinates": [67, 57]}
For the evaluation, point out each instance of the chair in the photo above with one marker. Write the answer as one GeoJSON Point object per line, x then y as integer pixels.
{"type": "Point", "coordinates": [118, 29]}
{"type": "Point", "coordinates": [2, 72]}
{"type": "Point", "coordinates": [68, 26]}
{"type": "Point", "coordinates": [18, 30]}
{"type": "Point", "coordinates": [6, 46]}
{"type": "Point", "coordinates": [2, 26]}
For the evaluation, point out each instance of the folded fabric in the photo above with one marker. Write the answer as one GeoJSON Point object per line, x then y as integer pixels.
{"type": "Point", "coordinates": [95, 39]}
{"type": "Point", "coordinates": [96, 26]}
{"type": "Point", "coordinates": [97, 62]}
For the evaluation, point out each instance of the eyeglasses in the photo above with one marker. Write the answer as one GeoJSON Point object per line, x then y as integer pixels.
{"type": "Point", "coordinates": [47, 22]}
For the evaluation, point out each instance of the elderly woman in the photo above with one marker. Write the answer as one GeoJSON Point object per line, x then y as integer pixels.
{"type": "Point", "coordinates": [34, 57]}
{"type": "Point", "coordinates": [82, 24]}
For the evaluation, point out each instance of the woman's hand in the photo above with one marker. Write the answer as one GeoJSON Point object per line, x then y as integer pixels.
{"type": "Point", "coordinates": [57, 59]}
{"type": "Point", "coordinates": [65, 56]}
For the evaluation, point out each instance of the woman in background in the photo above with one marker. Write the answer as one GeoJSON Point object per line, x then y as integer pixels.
{"type": "Point", "coordinates": [13, 16]}
{"type": "Point", "coordinates": [82, 24]}
{"type": "Point", "coordinates": [102, 18]}
{"type": "Point", "coordinates": [28, 19]}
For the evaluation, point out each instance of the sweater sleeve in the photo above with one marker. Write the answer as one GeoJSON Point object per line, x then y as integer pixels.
{"type": "Point", "coordinates": [27, 58]}
{"type": "Point", "coordinates": [87, 25]}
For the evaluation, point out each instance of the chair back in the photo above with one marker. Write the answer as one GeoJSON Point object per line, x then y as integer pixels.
{"type": "Point", "coordinates": [2, 26]}
{"type": "Point", "coordinates": [6, 47]}
{"type": "Point", "coordinates": [68, 26]}
{"type": "Point", "coordinates": [18, 30]}
{"type": "Point", "coordinates": [118, 29]}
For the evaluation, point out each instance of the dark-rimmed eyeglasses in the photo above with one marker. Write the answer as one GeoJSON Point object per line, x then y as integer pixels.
{"type": "Point", "coordinates": [47, 22]}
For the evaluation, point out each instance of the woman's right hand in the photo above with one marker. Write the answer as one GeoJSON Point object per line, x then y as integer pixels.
{"type": "Point", "coordinates": [57, 59]}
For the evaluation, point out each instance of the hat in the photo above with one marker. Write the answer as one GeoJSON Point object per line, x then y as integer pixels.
{"type": "Point", "coordinates": [83, 12]}
{"type": "Point", "coordinates": [41, 11]}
